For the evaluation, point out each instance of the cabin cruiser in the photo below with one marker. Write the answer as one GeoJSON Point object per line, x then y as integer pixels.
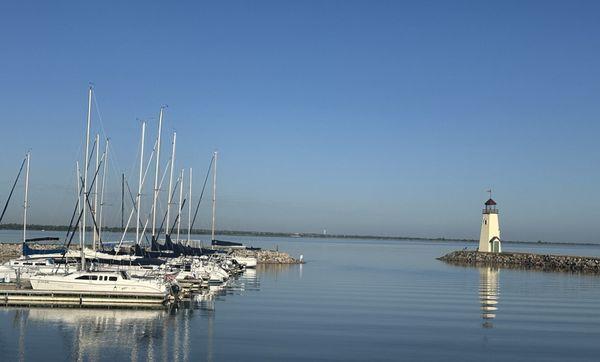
{"type": "Point", "coordinates": [98, 281]}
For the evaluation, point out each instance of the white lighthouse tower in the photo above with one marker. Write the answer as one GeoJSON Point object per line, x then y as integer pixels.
{"type": "Point", "coordinates": [489, 239]}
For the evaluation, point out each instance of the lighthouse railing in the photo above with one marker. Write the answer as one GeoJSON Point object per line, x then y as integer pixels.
{"type": "Point", "coordinates": [490, 211]}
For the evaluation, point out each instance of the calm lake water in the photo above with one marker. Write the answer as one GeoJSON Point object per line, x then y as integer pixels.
{"type": "Point", "coordinates": [353, 300]}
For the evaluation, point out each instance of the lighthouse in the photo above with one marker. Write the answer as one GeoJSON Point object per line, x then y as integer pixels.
{"type": "Point", "coordinates": [489, 239]}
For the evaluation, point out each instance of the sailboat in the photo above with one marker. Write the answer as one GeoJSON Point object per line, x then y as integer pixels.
{"type": "Point", "coordinates": [87, 279]}
{"type": "Point", "coordinates": [247, 261]}
{"type": "Point", "coordinates": [23, 267]}
{"type": "Point", "coordinates": [98, 268]}
{"type": "Point", "coordinates": [98, 281]}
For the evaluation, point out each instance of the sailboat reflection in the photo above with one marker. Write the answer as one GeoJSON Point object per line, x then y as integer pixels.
{"type": "Point", "coordinates": [88, 331]}
{"type": "Point", "coordinates": [205, 299]}
{"type": "Point", "coordinates": [126, 334]}
{"type": "Point", "coordinates": [488, 294]}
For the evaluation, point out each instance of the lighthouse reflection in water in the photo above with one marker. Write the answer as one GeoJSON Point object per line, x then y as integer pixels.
{"type": "Point", "coordinates": [488, 294]}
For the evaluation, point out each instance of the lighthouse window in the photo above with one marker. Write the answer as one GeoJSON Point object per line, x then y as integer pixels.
{"type": "Point", "coordinates": [485, 222]}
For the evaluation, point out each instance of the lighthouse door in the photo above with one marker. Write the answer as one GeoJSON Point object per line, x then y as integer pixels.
{"type": "Point", "coordinates": [496, 246]}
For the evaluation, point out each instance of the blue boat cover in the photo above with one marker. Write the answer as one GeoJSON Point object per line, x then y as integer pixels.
{"type": "Point", "coordinates": [27, 250]}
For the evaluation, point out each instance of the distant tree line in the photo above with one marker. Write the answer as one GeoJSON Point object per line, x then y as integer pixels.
{"type": "Point", "coordinates": [14, 226]}
{"type": "Point", "coordinates": [284, 234]}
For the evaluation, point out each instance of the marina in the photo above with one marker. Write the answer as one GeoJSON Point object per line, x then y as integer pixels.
{"type": "Point", "coordinates": [353, 299]}
{"type": "Point", "coordinates": [299, 181]}
{"type": "Point", "coordinates": [159, 271]}
{"type": "Point", "coordinates": [18, 288]}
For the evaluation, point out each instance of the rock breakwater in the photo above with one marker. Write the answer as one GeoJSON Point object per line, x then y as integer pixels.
{"type": "Point", "coordinates": [268, 256]}
{"type": "Point", "coordinates": [544, 262]}
{"type": "Point", "coordinates": [9, 251]}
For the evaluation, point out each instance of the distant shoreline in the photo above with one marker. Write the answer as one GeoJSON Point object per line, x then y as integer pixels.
{"type": "Point", "coordinates": [293, 235]}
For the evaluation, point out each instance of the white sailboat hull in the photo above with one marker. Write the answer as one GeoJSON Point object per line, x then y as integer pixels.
{"type": "Point", "coordinates": [70, 282]}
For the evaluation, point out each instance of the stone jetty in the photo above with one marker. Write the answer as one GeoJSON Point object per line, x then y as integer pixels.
{"type": "Point", "coordinates": [268, 256]}
{"type": "Point", "coordinates": [544, 262]}
{"type": "Point", "coordinates": [9, 251]}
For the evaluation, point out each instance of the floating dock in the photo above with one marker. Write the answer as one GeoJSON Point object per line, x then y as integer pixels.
{"type": "Point", "coordinates": [189, 286]}
{"type": "Point", "coordinates": [29, 297]}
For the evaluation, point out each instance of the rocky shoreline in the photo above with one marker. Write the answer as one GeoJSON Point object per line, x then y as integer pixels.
{"type": "Point", "coordinates": [543, 262]}
{"type": "Point", "coordinates": [9, 251]}
{"type": "Point", "coordinates": [268, 256]}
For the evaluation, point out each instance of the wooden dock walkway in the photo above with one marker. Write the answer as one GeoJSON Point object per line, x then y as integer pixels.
{"type": "Point", "coordinates": [29, 297]}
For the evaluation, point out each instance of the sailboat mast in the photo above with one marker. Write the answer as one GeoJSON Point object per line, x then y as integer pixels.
{"type": "Point", "coordinates": [156, 174]}
{"type": "Point", "coordinates": [180, 203]}
{"type": "Point", "coordinates": [190, 210]}
{"type": "Point", "coordinates": [214, 196]}
{"type": "Point", "coordinates": [95, 210]}
{"type": "Point", "coordinates": [102, 191]}
{"type": "Point", "coordinates": [78, 190]}
{"type": "Point", "coordinates": [122, 200]}
{"type": "Point", "coordinates": [26, 202]}
{"type": "Point", "coordinates": [139, 193]}
{"type": "Point", "coordinates": [170, 197]}
{"type": "Point", "coordinates": [85, 175]}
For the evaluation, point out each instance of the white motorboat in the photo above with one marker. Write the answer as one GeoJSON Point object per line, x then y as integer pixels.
{"type": "Point", "coordinates": [199, 268]}
{"type": "Point", "coordinates": [98, 281]}
{"type": "Point", "coordinates": [247, 261]}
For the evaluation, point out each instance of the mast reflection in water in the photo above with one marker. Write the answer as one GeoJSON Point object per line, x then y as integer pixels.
{"type": "Point", "coordinates": [488, 295]}
{"type": "Point", "coordinates": [120, 334]}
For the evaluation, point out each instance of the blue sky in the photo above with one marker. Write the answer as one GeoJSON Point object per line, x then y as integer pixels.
{"type": "Point", "coordinates": [371, 117]}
